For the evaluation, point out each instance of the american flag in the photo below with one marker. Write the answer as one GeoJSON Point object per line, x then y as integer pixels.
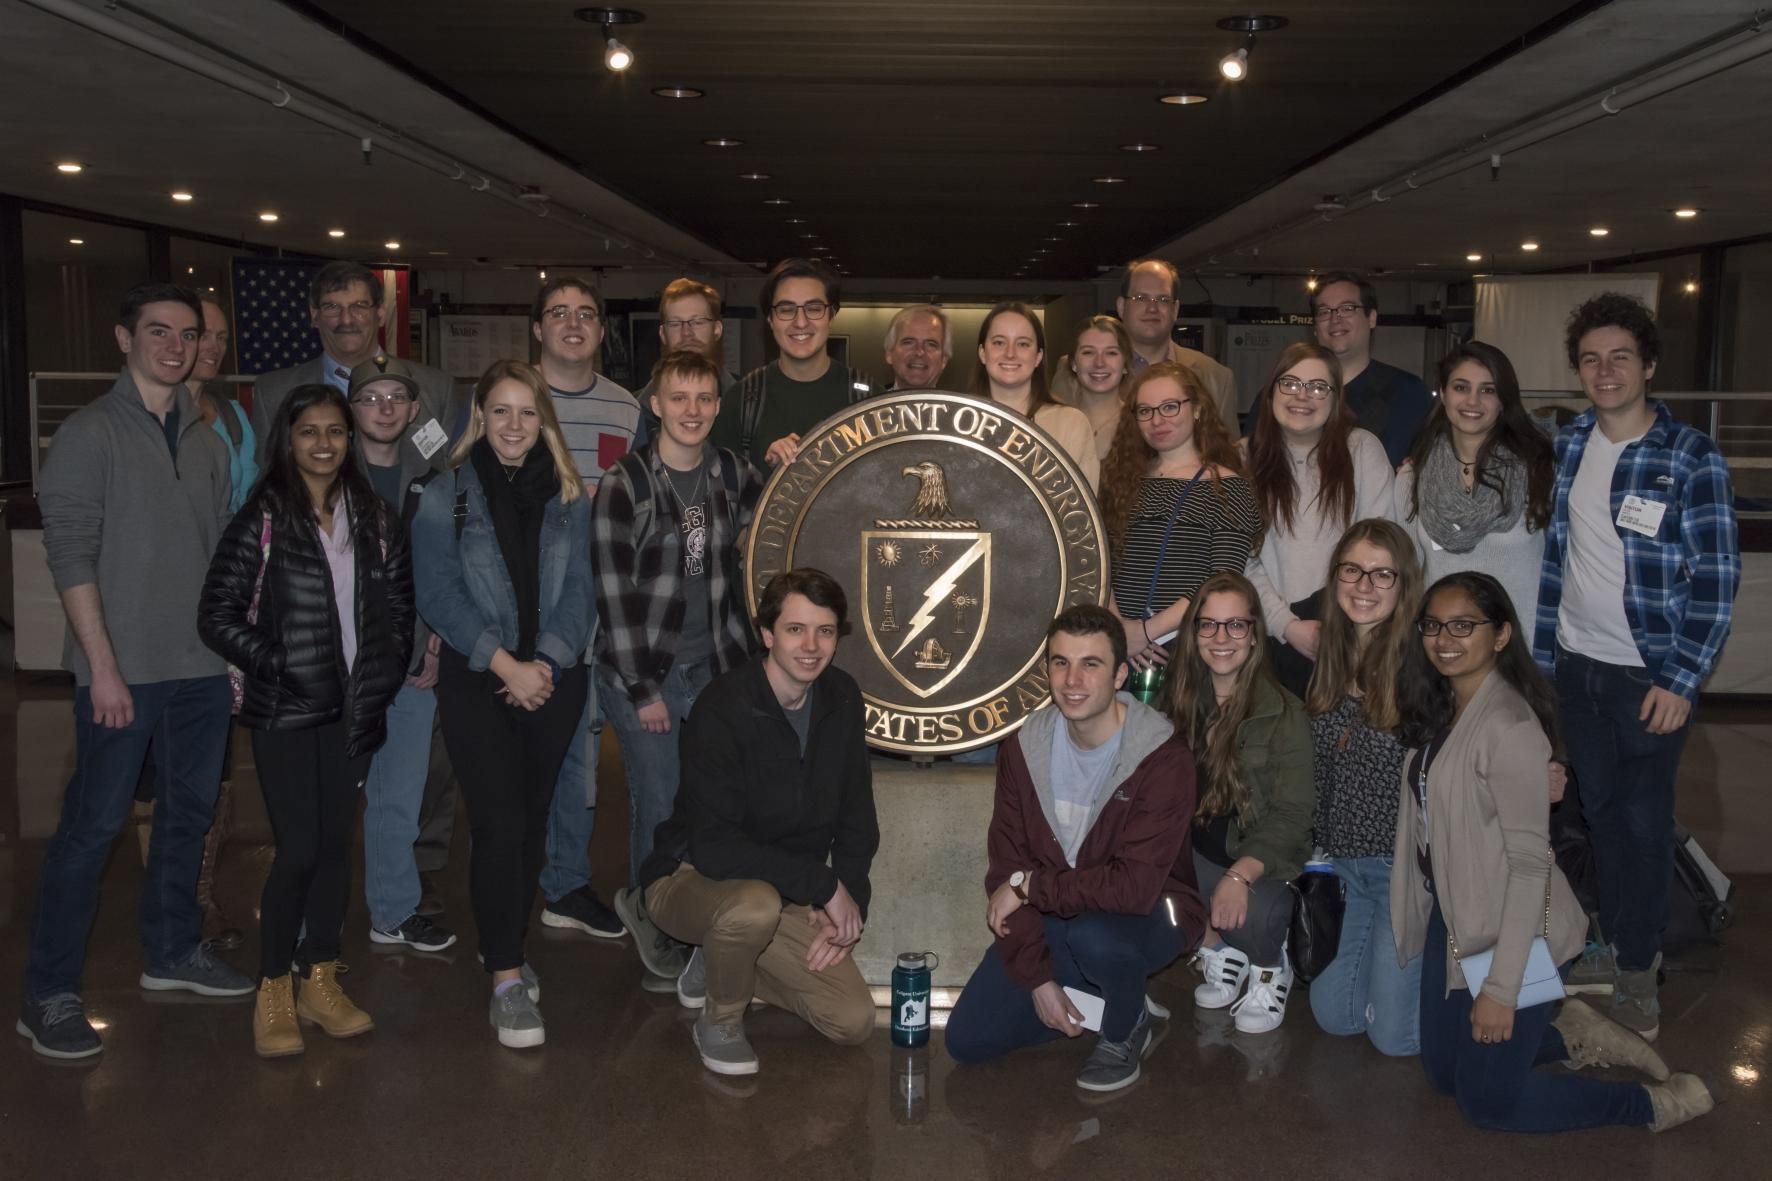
{"type": "Point", "coordinates": [272, 328]}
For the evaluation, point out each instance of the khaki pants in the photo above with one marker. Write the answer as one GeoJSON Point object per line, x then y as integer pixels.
{"type": "Point", "coordinates": [754, 944]}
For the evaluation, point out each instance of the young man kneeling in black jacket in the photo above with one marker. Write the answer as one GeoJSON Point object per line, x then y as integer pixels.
{"type": "Point", "coordinates": [775, 783]}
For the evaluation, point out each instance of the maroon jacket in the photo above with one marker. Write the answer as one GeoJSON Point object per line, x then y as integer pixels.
{"type": "Point", "coordinates": [1138, 850]}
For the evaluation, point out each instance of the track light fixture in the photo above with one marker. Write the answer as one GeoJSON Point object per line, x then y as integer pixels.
{"type": "Point", "coordinates": [1234, 66]}
{"type": "Point", "coordinates": [616, 56]}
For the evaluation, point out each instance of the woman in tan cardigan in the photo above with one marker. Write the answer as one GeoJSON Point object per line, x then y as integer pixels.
{"type": "Point", "coordinates": [1474, 873]}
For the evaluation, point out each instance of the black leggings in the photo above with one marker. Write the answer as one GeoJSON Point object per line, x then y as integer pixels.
{"type": "Point", "coordinates": [311, 790]}
{"type": "Point", "coordinates": [507, 760]}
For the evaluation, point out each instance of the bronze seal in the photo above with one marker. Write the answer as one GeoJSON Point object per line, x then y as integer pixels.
{"type": "Point", "coordinates": [958, 529]}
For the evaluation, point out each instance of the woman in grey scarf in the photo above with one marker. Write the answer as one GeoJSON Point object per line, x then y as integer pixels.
{"type": "Point", "coordinates": [1475, 492]}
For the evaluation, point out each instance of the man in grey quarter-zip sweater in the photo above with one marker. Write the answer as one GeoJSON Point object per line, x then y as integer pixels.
{"type": "Point", "coordinates": [134, 494]}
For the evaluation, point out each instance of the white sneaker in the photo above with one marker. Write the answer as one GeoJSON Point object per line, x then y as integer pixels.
{"type": "Point", "coordinates": [1263, 1007]}
{"type": "Point", "coordinates": [1224, 968]}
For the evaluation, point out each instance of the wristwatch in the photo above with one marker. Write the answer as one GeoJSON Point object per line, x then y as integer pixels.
{"type": "Point", "coordinates": [1018, 881]}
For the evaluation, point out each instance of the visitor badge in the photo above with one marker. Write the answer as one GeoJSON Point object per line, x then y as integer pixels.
{"type": "Point", "coordinates": [428, 438]}
{"type": "Point", "coordinates": [1640, 515]}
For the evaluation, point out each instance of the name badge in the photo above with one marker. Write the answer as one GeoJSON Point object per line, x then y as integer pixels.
{"type": "Point", "coordinates": [1641, 516]}
{"type": "Point", "coordinates": [428, 438]}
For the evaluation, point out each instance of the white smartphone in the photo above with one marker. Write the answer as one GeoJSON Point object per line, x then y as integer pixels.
{"type": "Point", "coordinates": [1089, 1005]}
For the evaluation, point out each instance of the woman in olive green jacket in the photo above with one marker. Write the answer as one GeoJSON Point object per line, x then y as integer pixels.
{"type": "Point", "coordinates": [1252, 750]}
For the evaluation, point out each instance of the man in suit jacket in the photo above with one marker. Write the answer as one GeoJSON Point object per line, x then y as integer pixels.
{"type": "Point", "coordinates": [344, 301]}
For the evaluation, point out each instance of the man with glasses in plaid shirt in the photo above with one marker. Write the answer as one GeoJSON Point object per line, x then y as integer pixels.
{"type": "Point", "coordinates": [1641, 565]}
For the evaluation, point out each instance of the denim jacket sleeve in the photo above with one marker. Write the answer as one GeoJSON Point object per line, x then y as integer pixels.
{"type": "Point", "coordinates": [440, 587]}
{"type": "Point", "coordinates": [566, 627]}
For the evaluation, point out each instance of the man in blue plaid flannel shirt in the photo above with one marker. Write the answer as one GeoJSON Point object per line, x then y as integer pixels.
{"type": "Point", "coordinates": [1641, 565]}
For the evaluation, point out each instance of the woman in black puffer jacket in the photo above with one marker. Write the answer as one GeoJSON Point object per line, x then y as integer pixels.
{"type": "Point", "coordinates": [309, 596]}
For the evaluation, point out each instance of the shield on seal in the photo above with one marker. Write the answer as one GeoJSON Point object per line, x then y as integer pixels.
{"type": "Point", "coordinates": [926, 597]}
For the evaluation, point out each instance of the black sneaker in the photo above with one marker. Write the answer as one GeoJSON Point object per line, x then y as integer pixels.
{"type": "Point", "coordinates": [417, 931]}
{"type": "Point", "coordinates": [582, 910]}
{"type": "Point", "coordinates": [58, 1028]}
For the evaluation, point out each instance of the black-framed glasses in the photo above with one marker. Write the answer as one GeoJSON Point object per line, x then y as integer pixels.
{"type": "Point", "coordinates": [1318, 389]}
{"type": "Point", "coordinates": [400, 398]}
{"type": "Point", "coordinates": [1382, 577]}
{"type": "Point", "coordinates": [1161, 301]}
{"type": "Point", "coordinates": [815, 309]}
{"type": "Point", "coordinates": [692, 324]}
{"type": "Point", "coordinates": [1344, 311]}
{"type": "Point", "coordinates": [1238, 629]}
{"type": "Point", "coordinates": [1168, 409]}
{"type": "Point", "coordinates": [584, 315]}
{"type": "Point", "coordinates": [1458, 627]}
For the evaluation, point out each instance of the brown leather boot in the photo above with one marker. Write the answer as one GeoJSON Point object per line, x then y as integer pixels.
{"type": "Point", "coordinates": [216, 928]}
{"type": "Point", "coordinates": [275, 1033]}
{"type": "Point", "coordinates": [324, 1003]}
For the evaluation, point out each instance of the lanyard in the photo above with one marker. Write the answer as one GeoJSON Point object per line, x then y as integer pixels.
{"type": "Point", "coordinates": [1168, 531]}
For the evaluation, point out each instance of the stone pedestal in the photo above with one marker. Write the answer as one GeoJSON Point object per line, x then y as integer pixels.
{"type": "Point", "coordinates": [928, 877]}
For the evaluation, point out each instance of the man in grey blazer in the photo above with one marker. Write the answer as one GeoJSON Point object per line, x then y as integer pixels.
{"type": "Point", "coordinates": [344, 301]}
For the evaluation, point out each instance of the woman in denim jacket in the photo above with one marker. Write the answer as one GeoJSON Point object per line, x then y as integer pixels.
{"type": "Point", "coordinates": [502, 559]}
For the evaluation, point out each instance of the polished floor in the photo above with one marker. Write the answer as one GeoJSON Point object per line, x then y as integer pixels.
{"type": "Point", "coordinates": [617, 1091]}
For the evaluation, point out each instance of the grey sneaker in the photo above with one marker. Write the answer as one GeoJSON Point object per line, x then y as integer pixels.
{"type": "Point", "coordinates": [662, 955]}
{"type": "Point", "coordinates": [200, 973]}
{"type": "Point", "coordinates": [58, 1028]}
{"type": "Point", "coordinates": [516, 1019]}
{"type": "Point", "coordinates": [723, 1048]}
{"type": "Point", "coordinates": [692, 982]}
{"type": "Point", "coordinates": [1635, 1004]}
{"type": "Point", "coordinates": [531, 982]}
{"type": "Point", "coordinates": [1594, 971]}
{"type": "Point", "coordinates": [1114, 1065]}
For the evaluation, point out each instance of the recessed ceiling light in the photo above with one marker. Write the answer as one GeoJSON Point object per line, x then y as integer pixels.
{"type": "Point", "coordinates": [808, 237]}
{"type": "Point", "coordinates": [1108, 180]}
{"type": "Point", "coordinates": [1085, 204]}
{"type": "Point", "coordinates": [1051, 239]}
{"type": "Point", "coordinates": [1528, 247]}
{"type": "Point", "coordinates": [182, 195]}
{"type": "Point", "coordinates": [1686, 212]}
{"type": "Point", "coordinates": [190, 270]}
{"type": "Point", "coordinates": [723, 141]}
{"type": "Point", "coordinates": [1183, 99]}
{"type": "Point", "coordinates": [679, 92]}
{"type": "Point", "coordinates": [335, 233]}
{"type": "Point", "coordinates": [1691, 287]}
{"type": "Point", "coordinates": [776, 201]}
{"type": "Point", "coordinates": [69, 167]}
{"type": "Point", "coordinates": [267, 216]}
{"type": "Point", "coordinates": [753, 176]}
{"type": "Point", "coordinates": [391, 245]}
{"type": "Point", "coordinates": [1310, 284]}
{"type": "Point", "coordinates": [76, 241]}
{"type": "Point", "coordinates": [1138, 147]}
{"type": "Point", "coordinates": [1599, 231]}
{"type": "Point", "coordinates": [1473, 257]}
{"type": "Point", "coordinates": [796, 221]}
{"type": "Point", "coordinates": [1066, 225]}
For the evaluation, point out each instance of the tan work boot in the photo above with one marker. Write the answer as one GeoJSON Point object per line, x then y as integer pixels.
{"type": "Point", "coordinates": [275, 1032]}
{"type": "Point", "coordinates": [323, 1002]}
{"type": "Point", "coordinates": [1682, 1097]}
{"type": "Point", "coordinates": [1593, 1040]}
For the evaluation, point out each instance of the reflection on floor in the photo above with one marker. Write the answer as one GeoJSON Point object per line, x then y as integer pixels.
{"type": "Point", "coordinates": [617, 1091]}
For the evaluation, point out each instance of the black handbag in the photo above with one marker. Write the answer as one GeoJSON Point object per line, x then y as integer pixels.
{"type": "Point", "coordinates": [1315, 936]}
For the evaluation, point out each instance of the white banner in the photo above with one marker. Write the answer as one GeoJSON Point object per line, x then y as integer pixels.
{"type": "Point", "coordinates": [1525, 315]}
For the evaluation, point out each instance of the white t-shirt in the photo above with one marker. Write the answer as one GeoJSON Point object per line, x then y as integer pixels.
{"type": "Point", "coordinates": [1078, 776]}
{"type": "Point", "coordinates": [1590, 617]}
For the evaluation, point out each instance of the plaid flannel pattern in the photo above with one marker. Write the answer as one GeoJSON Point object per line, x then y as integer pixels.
{"type": "Point", "coordinates": [1679, 586]}
{"type": "Point", "coordinates": [640, 579]}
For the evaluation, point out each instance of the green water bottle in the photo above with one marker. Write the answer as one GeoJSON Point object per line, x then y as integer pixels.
{"type": "Point", "coordinates": [1147, 684]}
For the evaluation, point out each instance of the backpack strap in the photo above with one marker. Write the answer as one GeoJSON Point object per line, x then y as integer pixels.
{"type": "Point", "coordinates": [461, 506]}
{"type": "Point", "coordinates": [635, 467]}
{"type": "Point", "coordinates": [750, 406]}
{"type": "Point", "coordinates": [861, 386]}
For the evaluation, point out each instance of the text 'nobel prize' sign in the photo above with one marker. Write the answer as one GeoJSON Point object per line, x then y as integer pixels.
{"type": "Point", "coordinates": [958, 530]}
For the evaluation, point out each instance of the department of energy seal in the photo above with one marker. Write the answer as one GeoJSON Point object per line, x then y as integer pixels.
{"type": "Point", "coordinates": [958, 530]}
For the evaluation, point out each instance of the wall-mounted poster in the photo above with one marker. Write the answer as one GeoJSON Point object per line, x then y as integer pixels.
{"type": "Point", "coordinates": [466, 345]}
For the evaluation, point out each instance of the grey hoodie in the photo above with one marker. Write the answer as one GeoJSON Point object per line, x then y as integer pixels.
{"type": "Point", "coordinates": [120, 513]}
{"type": "Point", "coordinates": [1143, 732]}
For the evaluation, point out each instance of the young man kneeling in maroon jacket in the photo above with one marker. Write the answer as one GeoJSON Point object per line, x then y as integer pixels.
{"type": "Point", "coordinates": [1091, 877]}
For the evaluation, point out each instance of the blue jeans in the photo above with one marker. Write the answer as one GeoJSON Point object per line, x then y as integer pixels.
{"type": "Point", "coordinates": [574, 811]}
{"type": "Point", "coordinates": [650, 760]}
{"type": "Point", "coordinates": [1497, 1085]}
{"type": "Point", "coordinates": [1110, 955]}
{"type": "Point", "coordinates": [1363, 990]}
{"type": "Point", "coordinates": [186, 722]}
{"type": "Point", "coordinates": [1625, 776]}
{"type": "Point", "coordinates": [395, 792]}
